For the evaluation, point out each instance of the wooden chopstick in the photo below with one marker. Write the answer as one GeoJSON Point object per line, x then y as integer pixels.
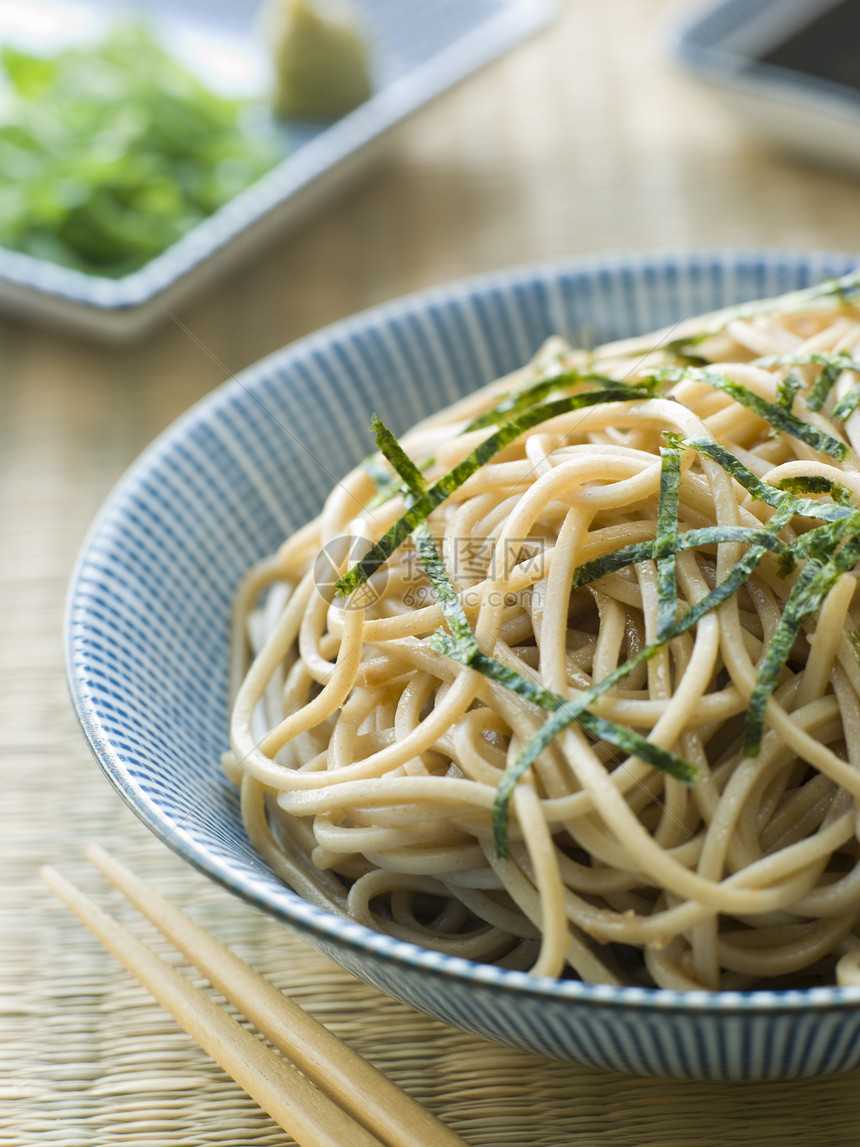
{"type": "Point", "coordinates": [292, 1100]}
{"type": "Point", "coordinates": [359, 1093]}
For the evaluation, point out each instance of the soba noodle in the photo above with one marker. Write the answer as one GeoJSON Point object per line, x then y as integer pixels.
{"type": "Point", "coordinates": [589, 705]}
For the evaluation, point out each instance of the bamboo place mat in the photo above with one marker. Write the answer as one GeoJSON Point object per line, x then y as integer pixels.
{"type": "Point", "coordinates": [579, 142]}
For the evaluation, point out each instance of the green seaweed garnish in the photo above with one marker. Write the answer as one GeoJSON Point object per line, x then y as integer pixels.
{"type": "Point", "coordinates": [806, 484]}
{"type": "Point", "coordinates": [461, 645]}
{"type": "Point", "coordinates": [429, 555]}
{"type": "Point", "coordinates": [425, 503]}
{"type": "Point", "coordinates": [761, 491]}
{"type": "Point", "coordinates": [844, 288]}
{"type": "Point", "coordinates": [814, 583]}
{"type": "Point", "coordinates": [821, 388]}
{"type": "Point", "coordinates": [786, 390]}
{"type": "Point", "coordinates": [667, 538]}
{"type": "Point", "coordinates": [691, 539]}
{"type": "Point", "coordinates": [847, 405]}
{"type": "Point", "coordinates": [825, 563]}
{"type": "Point", "coordinates": [818, 542]}
{"type": "Point", "coordinates": [517, 402]}
{"type": "Point", "coordinates": [828, 549]}
{"type": "Point", "coordinates": [630, 742]}
{"type": "Point", "coordinates": [776, 414]}
{"type": "Point", "coordinates": [842, 496]}
{"type": "Point", "coordinates": [391, 449]}
{"type": "Point", "coordinates": [570, 710]}
{"type": "Point", "coordinates": [832, 364]}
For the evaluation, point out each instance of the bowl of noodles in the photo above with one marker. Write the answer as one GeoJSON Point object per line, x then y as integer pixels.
{"type": "Point", "coordinates": [502, 641]}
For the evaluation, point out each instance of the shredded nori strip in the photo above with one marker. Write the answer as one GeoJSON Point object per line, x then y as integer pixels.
{"type": "Point", "coordinates": [842, 496]}
{"type": "Point", "coordinates": [689, 540]}
{"type": "Point", "coordinates": [759, 490]}
{"type": "Point", "coordinates": [425, 544]}
{"type": "Point", "coordinates": [630, 742]}
{"type": "Point", "coordinates": [814, 583]}
{"type": "Point", "coordinates": [786, 390]}
{"type": "Point", "coordinates": [812, 586]}
{"type": "Point", "coordinates": [786, 495]}
{"type": "Point", "coordinates": [571, 710]}
{"type": "Point", "coordinates": [819, 542]}
{"type": "Point", "coordinates": [824, 564]}
{"type": "Point", "coordinates": [518, 401]}
{"type": "Point", "coordinates": [425, 503]}
{"type": "Point", "coordinates": [832, 366]}
{"type": "Point", "coordinates": [391, 449]}
{"type": "Point", "coordinates": [806, 484]}
{"type": "Point", "coordinates": [846, 406]}
{"type": "Point", "coordinates": [462, 645]}
{"type": "Point", "coordinates": [386, 486]}
{"type": "Point", "coordinates": [830, 549]}
{"type": "Point", "coordinates": [777, 415]}
{"type": "Point", "coordinates": [821, 388]}
{"type": "Point", "coordinates": [844, 288]}
{"type": "Point", "coordinates": [667, 538]}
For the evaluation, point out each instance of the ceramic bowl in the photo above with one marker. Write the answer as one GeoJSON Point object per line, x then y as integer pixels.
{"type": "Point", "coordinates": [148, 627]}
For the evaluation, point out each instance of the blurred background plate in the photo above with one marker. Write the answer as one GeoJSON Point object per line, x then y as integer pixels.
{"type": "Point", "coordinates": [788, 69]}
{"type": "Point", "coordinates": [418, 50]}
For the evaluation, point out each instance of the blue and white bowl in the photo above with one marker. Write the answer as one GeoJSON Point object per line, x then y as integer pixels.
{"type": "Point", "coordinates": [148, 628]}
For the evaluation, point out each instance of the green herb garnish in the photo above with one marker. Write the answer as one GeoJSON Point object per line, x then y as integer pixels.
{"type": "Point", "coordinates": [519, 401]}
{"type": "Point", "coordinates": [845, 289]}
{"type": "Point", "coordinates": [689, 540]}
{"type": "Point", "coordinates": [667, 538]}
{"type": "Point", "coordinates": [461, 645]}
{"type": "Point", "coordinates": [832, 366]}
{"type": "Point", "coordinates": [775, 413]}
{"type": "Point", "coordinates": [828, 549]}
{"type": "Point", "coordinates": [425, 503]}
{"type": "Point", "coordinates": [814, 583]}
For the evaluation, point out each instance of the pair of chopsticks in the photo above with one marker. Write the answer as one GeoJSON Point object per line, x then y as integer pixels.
{"type": "Point", "coordinates": [332, 1097]}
